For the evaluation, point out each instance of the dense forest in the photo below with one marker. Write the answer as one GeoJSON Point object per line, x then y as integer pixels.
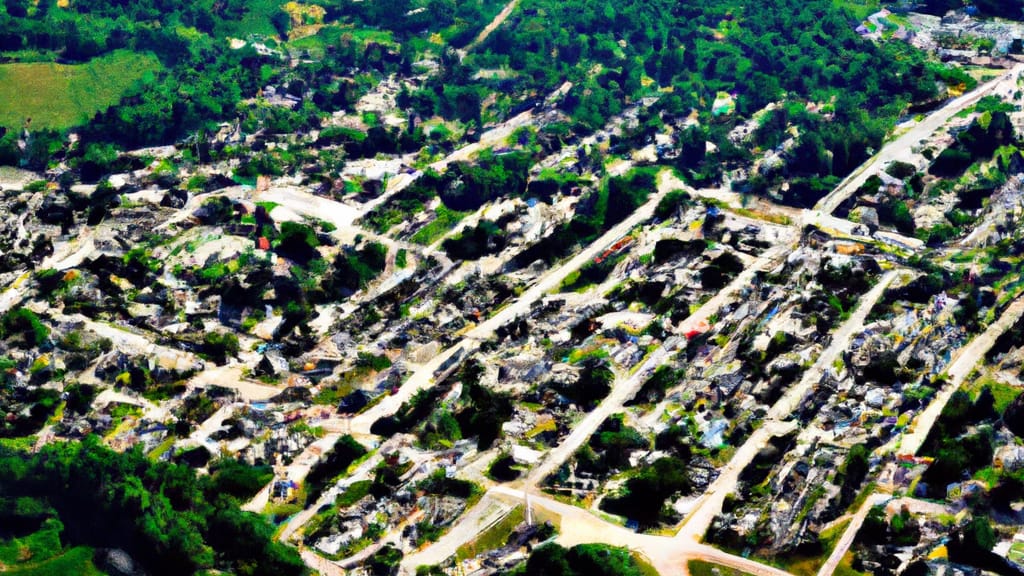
{"type": "Point", "coordinates": [203, 80]}
{"type": "Point", "coordinates": [686, 55]}
{"type": "Point", "coordinates": [167, 518]}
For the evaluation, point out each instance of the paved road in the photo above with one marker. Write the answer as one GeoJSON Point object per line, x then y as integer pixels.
{"type": "Point", "coordinates": [494, 137]}
{"type": "Point", "coordinates": [133, 343]}
{"type": "Point", "coordinates": [798, 216]}
{"type": "Point", "coordinates": [966, 359]}
{"type": "Point", "coordinates": [901, 146]}
{"type": "Point", "coordinates": [669, 556]}
{"type": "Point", "coordinates": [551, 280]}
{"type": "Point", "coordinates": [625, 388]}
{"type": "Point", "coordinates": [840, 340]}
{"type": "Point", "coordinates": [230, 376]}
{"type": "Point", "coordinates": [710, 504]}
{"type": "Point", "coordinates": [296, 471]}
{"type": "Point", "coordinates": [295, 523]}
{"type": "Point", "coordinates": [305, 203]}
{"type": "Point", "coordinates": [488, 511]}
{"type": "Point", "coordinates": [322, 565]}
{"type": "Point", "coordinates": [846, 540]}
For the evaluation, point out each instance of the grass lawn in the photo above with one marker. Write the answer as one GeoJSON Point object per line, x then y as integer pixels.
{"type": "Point", "coordinates": [1016, 553]}
{"type": "Point", "coordinates": [60, 96]}
{"type": "Point", "coordinates": [702, 568]}
{"type": "Point", "coordinates": [256, 20]}
{"type": "Point", "coordinates": [36, 547]}
{"type": "Point", "coordinates": [1004, 394]}
{"type": "Point", "coordinates": [446, 219]}
{"type": "Point", "coordinates": [41, 554]}
{"type": "Point", "coordinates": [494, 537]}
{"type": "Point", "coordinates": [331, 34]}
{"type": "Point", "coordinates": [77, 561]}
{"type": "Point", "coordinates": [845, 567]}
{"type": "Point", "coordinates": [809, 565]}
{"type": "Point", "coordinates": [860, 9]}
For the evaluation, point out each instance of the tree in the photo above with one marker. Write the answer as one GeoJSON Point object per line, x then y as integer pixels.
{"type": "Point", "coordinates": [592, 386]}
{"type": "Point", "coordinates": [297, 242]}
{"type": "Point", "coordinates": [548, 560]}
{"type": "Point", "coordinates": [978, 535]}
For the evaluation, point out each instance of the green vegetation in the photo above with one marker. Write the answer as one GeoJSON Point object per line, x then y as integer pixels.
{"type": "Point", "coordinates": [672, 202]}
{"type": "Point", "coordinates": [346, 450]}
{"type": "Point", "coordinates": [472, 243]}
{"type": "Point", "coordinates": [590, 274]}
{"type": "Point", "coordinates": [163, 515]}
{"type": "Point", "coordinates": [354, 493]}
{"type": "Point", "coordinates": [464, 187]}
{"type": "Point", "coordinates": [643, 496]}
{"type": "Point", "coordinates": [655, 387]}
{"type": "Point", "coordinates": [593, 384]}
{"type": "Point", "coordinates": [479, 413]}
{"type": "Point", "coordinates": [582, 560]}
{"type": "Point", "coordinates": [609, 447]}
{"type": "Point", "coordinates": [444, 220]}
{"type": "Point", "coordinates": [25, 326]}
{"type": "Point", "coordinates": [596, 212]}
{"type": "Point", "coordinates": [58, 96]}
{"type": "Point", "coordinates": [494, 537]}
{"type": "Point", "coordinates": [77, 561]}
{"type": "Point", "coordinates": [352, 269]}
{"type": "Point", "coordinates": [702, 568]}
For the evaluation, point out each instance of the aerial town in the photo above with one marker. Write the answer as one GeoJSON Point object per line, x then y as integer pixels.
{"type": "Point", "coordinates": [404, 288]}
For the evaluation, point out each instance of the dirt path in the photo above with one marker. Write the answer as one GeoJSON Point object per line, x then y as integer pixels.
{"type": "Point", "coordinates": [498, 21]}
{"type": "Point", "coordinates": [846, 540]}
{"type": "Point", "coordinates": [486, 513]}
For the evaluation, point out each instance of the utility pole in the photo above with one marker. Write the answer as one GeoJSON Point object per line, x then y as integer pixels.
{"type": "Point", "coordinates": [529, 509]}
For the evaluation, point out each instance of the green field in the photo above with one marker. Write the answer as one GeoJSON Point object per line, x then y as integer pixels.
{"type": "Point", "coordinates": [702, 568]}
{"type": "Point", "coordinates": [494, 537]}
{"type": "Point", "coordinates": [77, 561]}
{"type": "Point", "coordinates": [60, 96]}
{"type": "Point", "coordinates": [42, 554]}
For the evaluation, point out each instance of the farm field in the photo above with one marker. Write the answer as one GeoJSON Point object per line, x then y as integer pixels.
{"type": "Point", "coordinates": [59, 96]}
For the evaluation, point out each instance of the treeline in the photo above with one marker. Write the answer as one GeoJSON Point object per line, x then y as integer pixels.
{"type": "Point", "coordinates": [757, 53]}
{"type": "Point", "coordinates": [162, 514]}
{"type": "Point", "coordinates": [204, 80]}
{"type": "Point", "coordinates": [583, 559]}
